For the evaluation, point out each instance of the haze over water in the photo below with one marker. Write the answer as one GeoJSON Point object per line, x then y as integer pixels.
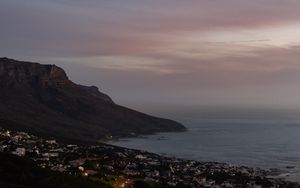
{"type": "Point", "coordinates": [255, 138]}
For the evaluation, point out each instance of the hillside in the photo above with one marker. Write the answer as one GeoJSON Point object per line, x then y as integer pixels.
{"type": "Point", "coordinates": [42, 100]}
{"type": "Point", "coordinates": [17, 172]}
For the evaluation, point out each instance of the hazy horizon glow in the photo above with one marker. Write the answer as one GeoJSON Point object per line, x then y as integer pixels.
{"type": "Point", "coordinates": [204, 52]}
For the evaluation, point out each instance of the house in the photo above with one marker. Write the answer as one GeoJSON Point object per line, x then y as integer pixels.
{"type": "Point", "coordinates": [91, 172]}
{"type": "Point", "coordinates": [76, 163]}
{"type": "Point", "coordinates": [141, 157]}
{"type": "Point", "coordinates": [19, 152]}
{"type": "Point", "coordinates": [51, 141]}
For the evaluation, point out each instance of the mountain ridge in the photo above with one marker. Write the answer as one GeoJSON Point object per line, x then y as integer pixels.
{"type": "Point", "coordinates": [41, 99]}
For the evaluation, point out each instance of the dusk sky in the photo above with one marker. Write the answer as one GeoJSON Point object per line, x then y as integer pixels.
{"type": "Point", "coordinates": [169, 52]}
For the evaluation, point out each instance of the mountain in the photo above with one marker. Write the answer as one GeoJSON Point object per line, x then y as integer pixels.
{"type": "Point", "coordinates": [42, 100]}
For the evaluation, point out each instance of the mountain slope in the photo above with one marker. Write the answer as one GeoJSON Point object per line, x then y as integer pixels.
{"type": "Point", "coordinates": [41, 99]}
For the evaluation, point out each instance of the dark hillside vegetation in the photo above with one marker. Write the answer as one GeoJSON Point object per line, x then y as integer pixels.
{"type": "Point", "coordinates": [16, 172]}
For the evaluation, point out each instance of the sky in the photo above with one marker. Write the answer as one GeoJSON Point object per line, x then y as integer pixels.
{"type": "Point", "coordinates": [164, 52]}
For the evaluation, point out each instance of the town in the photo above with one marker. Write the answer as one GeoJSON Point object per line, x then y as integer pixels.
{"type": "Point", "coordinates": [121, 167]}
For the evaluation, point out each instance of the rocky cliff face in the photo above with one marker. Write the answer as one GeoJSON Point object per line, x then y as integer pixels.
{"type": "Point", "coordinates": [41, 99]}
{"type": "Point", "coordinates": [26, 75]}
{"type": "Point", "coordinates": [31, 73]}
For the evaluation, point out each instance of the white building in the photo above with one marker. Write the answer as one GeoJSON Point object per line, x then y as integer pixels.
{"type": "Point", "coordinates": [19, 152]}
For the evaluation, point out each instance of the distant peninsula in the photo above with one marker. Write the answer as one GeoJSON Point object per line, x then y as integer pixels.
{"type": "Point", "coordinates": [41, 99]}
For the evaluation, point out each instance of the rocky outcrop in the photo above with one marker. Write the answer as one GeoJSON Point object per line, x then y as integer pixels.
{"type": "Point", "coordinates": [41, 99]}
{"type": "Point", "coordinates": [31, 73]}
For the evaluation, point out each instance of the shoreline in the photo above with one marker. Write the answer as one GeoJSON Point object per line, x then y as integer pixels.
{"type": "Point", "coordinates": [285, 173]}
{"type": "Point", "coordinates": [139, 166]}
{"type": "Point", "coordinates": [115, 138]}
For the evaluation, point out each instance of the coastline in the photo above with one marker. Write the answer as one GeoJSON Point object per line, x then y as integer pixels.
{"type": "Point", "coordinates": [150, 143]}
{"type": "Point", "coordinates": [117, 138]}
{"type": "Point", "coordinates": [136, 165]}
{"type": "Point", "coordinates": [271, 173]}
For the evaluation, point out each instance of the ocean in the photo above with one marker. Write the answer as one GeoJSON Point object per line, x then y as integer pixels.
{"type": "Point", "coordinates": [256, 138]}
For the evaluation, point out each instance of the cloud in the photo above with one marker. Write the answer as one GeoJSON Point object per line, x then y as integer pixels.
{"type": "Point", "coordinates": [77, 28]}
{"type": "Point", "coordinates": [202, 49]}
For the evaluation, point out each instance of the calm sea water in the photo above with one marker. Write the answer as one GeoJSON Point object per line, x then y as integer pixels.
{"type": "Point", "coordinates": [256, 138]}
